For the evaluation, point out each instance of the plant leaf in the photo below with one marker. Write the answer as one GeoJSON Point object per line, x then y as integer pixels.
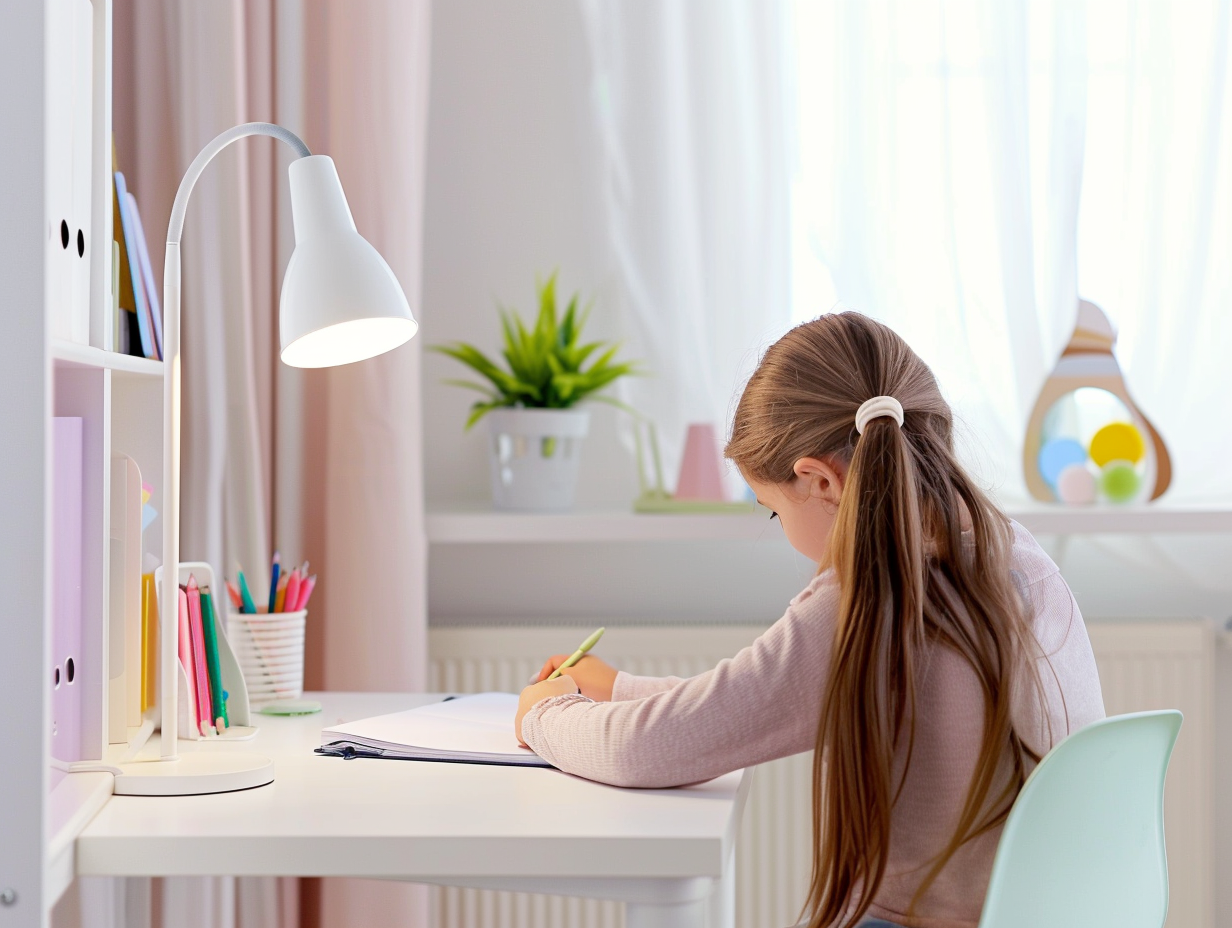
{"type": "Point", "coordinates": [479, 410]}
{"type": "Point", "coordinates": [624, 407]}
{"type": "Point", "coordinates": [471, 385]}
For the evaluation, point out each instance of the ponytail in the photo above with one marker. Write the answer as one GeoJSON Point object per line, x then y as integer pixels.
{"type": "Point", "coordinates": [877, 551]}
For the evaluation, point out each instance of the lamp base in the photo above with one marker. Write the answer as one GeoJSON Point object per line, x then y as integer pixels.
{"type": "Point", "coordinates": [194, 773]}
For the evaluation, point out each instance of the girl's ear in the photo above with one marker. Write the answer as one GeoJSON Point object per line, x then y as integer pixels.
{"type": "Point", "coordinates": [823, 478]}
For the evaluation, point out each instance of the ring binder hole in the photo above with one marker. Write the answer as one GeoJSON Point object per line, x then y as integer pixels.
{"type": "Point", "coordinates": [56, 677]}
{"type": "Point", "coordinates": [70, 670]}
{"type": "Point", "coordinates": [63, 234]}
{"type": "Point", "coordinates": [81, 244]}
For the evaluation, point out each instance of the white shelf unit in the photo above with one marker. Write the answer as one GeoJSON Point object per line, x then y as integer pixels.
{"type": "Point", "coordinates": [67, 354]}
{"type": "Point", "coordinates": [473, 525]}
{"type": "Point", "coordinates": [44, 374]}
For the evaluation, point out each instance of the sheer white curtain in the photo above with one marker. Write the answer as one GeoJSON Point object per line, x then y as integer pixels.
{"type": "Point", "coordinates": [1155, 229]}
{"type": "Point", "coordinates": [688, 99]}
{"type": "Point", "coordinates": [966, 170]}
{"type": "Point", "coordinates": [939, 149]}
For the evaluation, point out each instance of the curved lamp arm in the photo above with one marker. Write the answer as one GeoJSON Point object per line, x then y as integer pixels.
{"type": "Point", "coordinates": [168, 618]}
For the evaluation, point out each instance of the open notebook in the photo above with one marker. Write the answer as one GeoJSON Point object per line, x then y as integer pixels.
{"type": "Point", "coordinates": [472, 729]}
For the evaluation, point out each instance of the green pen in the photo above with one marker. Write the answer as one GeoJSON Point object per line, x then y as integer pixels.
{"type": "Point", "coordinates": [578, 654]}
{"type": "Point", "coordinates": [244, 594]}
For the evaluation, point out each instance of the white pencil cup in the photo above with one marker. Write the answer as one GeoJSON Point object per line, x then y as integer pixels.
{"type": "Point", "coordinates": [270, 651]}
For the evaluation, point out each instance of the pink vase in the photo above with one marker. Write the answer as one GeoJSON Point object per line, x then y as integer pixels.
{"type": "Point", "coordinates": [700, 473]}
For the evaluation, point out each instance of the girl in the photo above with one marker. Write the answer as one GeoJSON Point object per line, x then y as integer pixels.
{"type": "Point", "coordinates": [933, 660]}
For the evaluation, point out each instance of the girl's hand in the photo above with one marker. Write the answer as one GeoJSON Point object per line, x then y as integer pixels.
{"type": "Point", "coordinates": [593, 677]}
{"type": "Point", "coordinates": [561, 686]}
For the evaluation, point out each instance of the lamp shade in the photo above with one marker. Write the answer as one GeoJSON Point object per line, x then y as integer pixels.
{"type": "Point", "coordinates": [340, 301]}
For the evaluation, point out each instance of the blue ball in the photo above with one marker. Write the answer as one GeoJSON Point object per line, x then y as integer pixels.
{"type": "Point", "coordinates": [1058, 454]}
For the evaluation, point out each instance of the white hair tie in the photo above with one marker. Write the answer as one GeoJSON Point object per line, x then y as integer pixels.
{"type": "Point", "coordinates": [876, 407]}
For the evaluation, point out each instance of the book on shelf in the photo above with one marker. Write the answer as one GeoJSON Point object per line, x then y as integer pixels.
{"type": "Point", "coordinates": [152, 302]}
{"type": "Point", "coordinates": [124, 700]}
{"type": "Point", "coordinates": [126, 301]}
{"type": "Point", "coordinates": [145, 324]}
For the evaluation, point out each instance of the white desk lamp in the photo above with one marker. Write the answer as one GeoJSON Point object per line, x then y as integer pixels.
{"type": "Point", "coordinates": [340, 303]}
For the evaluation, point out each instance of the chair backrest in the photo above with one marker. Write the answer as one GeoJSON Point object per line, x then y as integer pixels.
{"type": "Point", "coordinates": [1084, 843]}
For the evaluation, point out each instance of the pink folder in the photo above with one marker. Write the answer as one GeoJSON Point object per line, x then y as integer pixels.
{"type": "Point", "coordinates": [186, 661]}
{"type": "Point", "coordinates": [205, 714]}
{"type": "Point", "coordinates": [66, 572]}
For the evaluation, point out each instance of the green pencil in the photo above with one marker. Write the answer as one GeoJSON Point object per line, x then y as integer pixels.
{"type": "Point", "coordinates": [578, 654]}
{"type": "Point", "coordinates": [245, 596]}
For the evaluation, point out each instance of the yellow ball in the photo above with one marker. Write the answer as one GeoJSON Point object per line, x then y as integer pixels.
{"type": "Point", "coordinates": [1117, 441]}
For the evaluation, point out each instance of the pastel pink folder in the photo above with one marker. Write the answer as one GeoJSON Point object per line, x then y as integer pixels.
{"type": "Point", "coordinates": [186, 661]}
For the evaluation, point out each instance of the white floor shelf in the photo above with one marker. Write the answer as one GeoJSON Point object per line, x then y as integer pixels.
{"type": "Point", "coordinates": [485, 526]}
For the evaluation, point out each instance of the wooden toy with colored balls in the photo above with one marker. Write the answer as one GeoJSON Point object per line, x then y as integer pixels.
{"type": "Point", "coordinates": [1125, 458]}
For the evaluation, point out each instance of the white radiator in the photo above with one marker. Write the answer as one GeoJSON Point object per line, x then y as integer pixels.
{"type": "Point", "coordinates": [1142, 666]}
{"type": "Point", "coordinates": [1171, 665]}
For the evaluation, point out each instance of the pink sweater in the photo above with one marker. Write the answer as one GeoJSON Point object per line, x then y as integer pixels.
{"type": "Point", "coordinates": [660, 732]}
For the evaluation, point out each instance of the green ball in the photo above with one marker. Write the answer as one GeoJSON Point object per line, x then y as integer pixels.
{"type": "Point", "coordinates": [1119, 481]}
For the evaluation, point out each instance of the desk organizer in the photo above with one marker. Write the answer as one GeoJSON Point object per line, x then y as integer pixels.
{"type": "Point", "coordinates": [233, 682]}
{"type": "Point", "coordinates": [270, 649]}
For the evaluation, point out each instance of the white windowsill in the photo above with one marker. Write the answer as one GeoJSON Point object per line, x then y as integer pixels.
{"type": "Point", "coordinates": [476, 525]}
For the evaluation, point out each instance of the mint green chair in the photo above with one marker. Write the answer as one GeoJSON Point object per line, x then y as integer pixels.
{"type": "Point", "coordinates": [1084, 844]}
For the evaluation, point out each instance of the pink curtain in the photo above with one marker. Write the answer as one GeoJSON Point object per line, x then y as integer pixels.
{"type": "Point", "coordinates": [324, 464]}
{"type": "Point", "coordinates": [367, 105]}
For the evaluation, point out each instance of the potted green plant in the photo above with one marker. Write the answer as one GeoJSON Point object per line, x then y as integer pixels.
{"type": "Point", "coordinates": [531, 403]}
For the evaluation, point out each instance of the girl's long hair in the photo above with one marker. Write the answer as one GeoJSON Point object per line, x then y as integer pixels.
{"type": "Point", "coordinates": [909, 580]}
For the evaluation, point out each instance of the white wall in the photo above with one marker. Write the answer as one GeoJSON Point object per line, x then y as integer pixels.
{"type": "Point", "coordinates": [512, 194]}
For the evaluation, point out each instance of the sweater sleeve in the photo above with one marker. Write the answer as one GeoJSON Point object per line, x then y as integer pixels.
{"type": "Point", "coordinates": [629, 686]}
{"type": "Point", "coordinates": [757, 706]}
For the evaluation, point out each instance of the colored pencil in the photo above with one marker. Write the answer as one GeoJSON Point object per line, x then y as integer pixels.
{"type": "Point", "coordinates": [293, 585]}
{"type": "Point", "coordinates": [236, 600]}
{"type": "Point", "coordinates": [273, 594]}
{"type": "Point", "coordinates": [247, 604]}
{"type": "Point", "coordinates": [280, 599]}
{"type": "Point", "coordinates": [305, 591]}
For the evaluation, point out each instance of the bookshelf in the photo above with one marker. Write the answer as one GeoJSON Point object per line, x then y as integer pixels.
{"type": "Point", "coordinates": [57, 165]}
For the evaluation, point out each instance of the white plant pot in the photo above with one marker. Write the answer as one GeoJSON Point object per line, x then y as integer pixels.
{"type": "Point", "coordinates": [535, 457]}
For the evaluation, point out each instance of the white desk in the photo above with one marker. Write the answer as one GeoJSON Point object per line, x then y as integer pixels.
{"type": "Point", "coordinates": [668, 854]}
